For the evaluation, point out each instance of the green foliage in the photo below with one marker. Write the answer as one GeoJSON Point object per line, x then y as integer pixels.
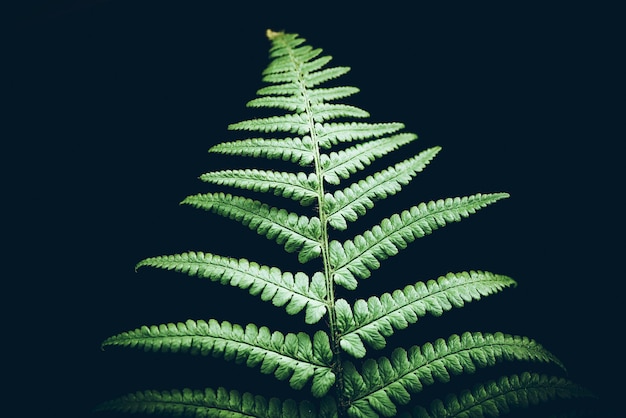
{"type": "Point", "coordinates": [335, 363]}
{"type": "Point", "coordinates": [496, 397]}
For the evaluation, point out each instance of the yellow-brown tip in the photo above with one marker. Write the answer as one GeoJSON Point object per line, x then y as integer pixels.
{"type": "Point", "coordinates": [271, 34]}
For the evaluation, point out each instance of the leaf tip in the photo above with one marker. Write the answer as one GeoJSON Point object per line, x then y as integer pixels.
{"type": "Point", "coordinates": [271, 35]}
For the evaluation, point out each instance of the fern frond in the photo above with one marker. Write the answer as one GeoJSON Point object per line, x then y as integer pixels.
{"type": "Point", "coordinates": [286, 96]}
{"type": "Point", "coordinates": [328, 94]}
{"type": "Point", "coordinates": [220, 403]}
{"type": "Point", "coordinates": [320, 134]}
{"type": "Point", "coordinates": [340, 165]}
{"type": "Point", "coordinates": [370, 322]}
{"type": "Point", "coordinates": [329, 134]}
{"type": "Point", "coordinates": [291, 102]}
{"type": "Point", "coordinates": [350, 203]}
{"type": "Point", "coordinates": [296, 150]}
{"type": "Point", "coordinates": [299, 60]}
{"type": "Point", "coordinates": [285, 89]}
{"type": "Point", "coordinates": [297, 186]}
{"type": "Point", "coordinates": [298, 122]}
{"type": "Point", "coordinates": [285, 63]}
{"type": "Point", "coordinates": [311, 66]}
{"type": "Point", "coordinates": [293, 123]}
{"type": "Point", "coordinates": [356, 258]}
{"type": "Point", "coordinates": [315, 78]}
{"type": "Point", "coordinates": [287, 356]}
{"type": "Point", "coordinates": [325, 111]}
{"type": "Point", "coordinates": [495, 398]}
{"type": "Point", "coordinates": [290, 68]}
{"type": "Point", "coordinates": [385, 383]}
{"type": "Point", "coordinates": [288, 43]}
{"type": "Point", "coordinates": [295, 233]}
{"type": "Point", "coordinates": [293, 291]}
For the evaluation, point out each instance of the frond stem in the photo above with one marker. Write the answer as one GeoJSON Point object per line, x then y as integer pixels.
{"type": "Point", "coordinates": [324, 239]}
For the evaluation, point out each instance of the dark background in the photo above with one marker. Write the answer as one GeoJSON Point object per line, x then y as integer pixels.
{"type": "Point", "coordinates": [113, 104]}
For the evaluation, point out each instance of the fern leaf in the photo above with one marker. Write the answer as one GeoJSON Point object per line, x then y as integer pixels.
{"type": "Point", "coordinates": [220, 403]}
{"type": "Point", "coordinates": [293, 291]}
{"type": "Point", "coordinates": [377, 318]}
{"type": "Point", "coordinates": [495, 398]}
{"type": "Point", "coordinates": [318, 77]}
{"type": "Point", "coordinates": [293, 103]}
{"type": "Point", "coordinates": [299, 187]}
{"type": "Point", "coordinates": [385, 383]}
{"type": "Point", "coordinates": [350, 203]}
{"type": "Point", "coordinates": [356, 258]}
{"type": "Point", "coordinates": [300, 60]}
{"type": "Point", "coordinates": [329, 134]}
{"type": "Point", "coordinates": [295, 233]}
{"type": "Point", "coordinates": [340, 165]}
{"type": "Point", "coordinates": [285, 89]}
{"type": "Point", "coordinates": [328, 94]}
{"type": "Point", "coordinates": [286, 63]}
{"type": "Point", "coordinates": [311, 66]}
{"type": "Point", "coordinates": [293, 123]}
{"type": "Point", "coordinates": [324, 111]}
{"type": "Point", "coordinates": [287, 356]}
{"type": "Point", "coordinates": [284, 43]}
{"type": "Point", "coordinates": [287, 96]}
{"type": "Point", "coordinates": [316, 122]}
{"type": "Point", "coordinates": [290, 71]}
{"type": "Point", "coordinates": [296, 150]}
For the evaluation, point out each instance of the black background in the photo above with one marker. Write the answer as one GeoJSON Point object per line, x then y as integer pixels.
{"type": "Point", "coordinates": [112, 106]}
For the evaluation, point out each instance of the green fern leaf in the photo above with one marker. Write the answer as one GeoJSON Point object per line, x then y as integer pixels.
{"type": "Point", "coordinates": [293, 103]}
{"type": "Point", "coordinates": [294, 291]}
{"type": "Point", "coordinates": [311, 66]}
{"type": "Point", "coordinates": [300, 62]}
{"type": "Point", "coordinates": [318, 77]}
{"type": "Point", "coordinates": [285, 43]}
{"type": "Point", "coordinates": [377, 318]}
{"type": "Point", "coordinates": [354, 387]}
{"type": "Point", "coordinates": [287, 356]}
{"type": "Point", "coordinates": [325, 111]}
{"type": "Point", "coordinates": [290, 94]}
{"type": "Point", "coordinates": [330, 146]}
{"type": "Point", "coordinates": [321, 111]}
{"type": "Point", "coordinates": [282, 90]}
{"type": "Point", "coordinates": [219, 403]}
{"type": "Point", "coordinates": [293, 123]}
{"type": "Point", "coordinates": [498, 397]}
{"type": "Point", "coordinates": [295, 233]}
{"type": "Point", "coordinates": [297, 186]}
{"type": "Point", "coordinates": [356, 258]}
{"type": "Point", "coordinates": [329, 94]}
{"type": "Point", "coordinates": [329, 134]}
{"type": "Point", "coordinates": [290, 70]}
{"type": "Point", "coordinates": [350, 203]}
{"type": "Point", "coordinates": [296, 150]}
{"type": "Point", "coordinates": [340, 165]}
{"type": "Point", "coordinates": [285, 63]}
{"type": "Point", "coordinates": [350, 343]}
{"type": "Point", "coordinates": [409, 372]}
